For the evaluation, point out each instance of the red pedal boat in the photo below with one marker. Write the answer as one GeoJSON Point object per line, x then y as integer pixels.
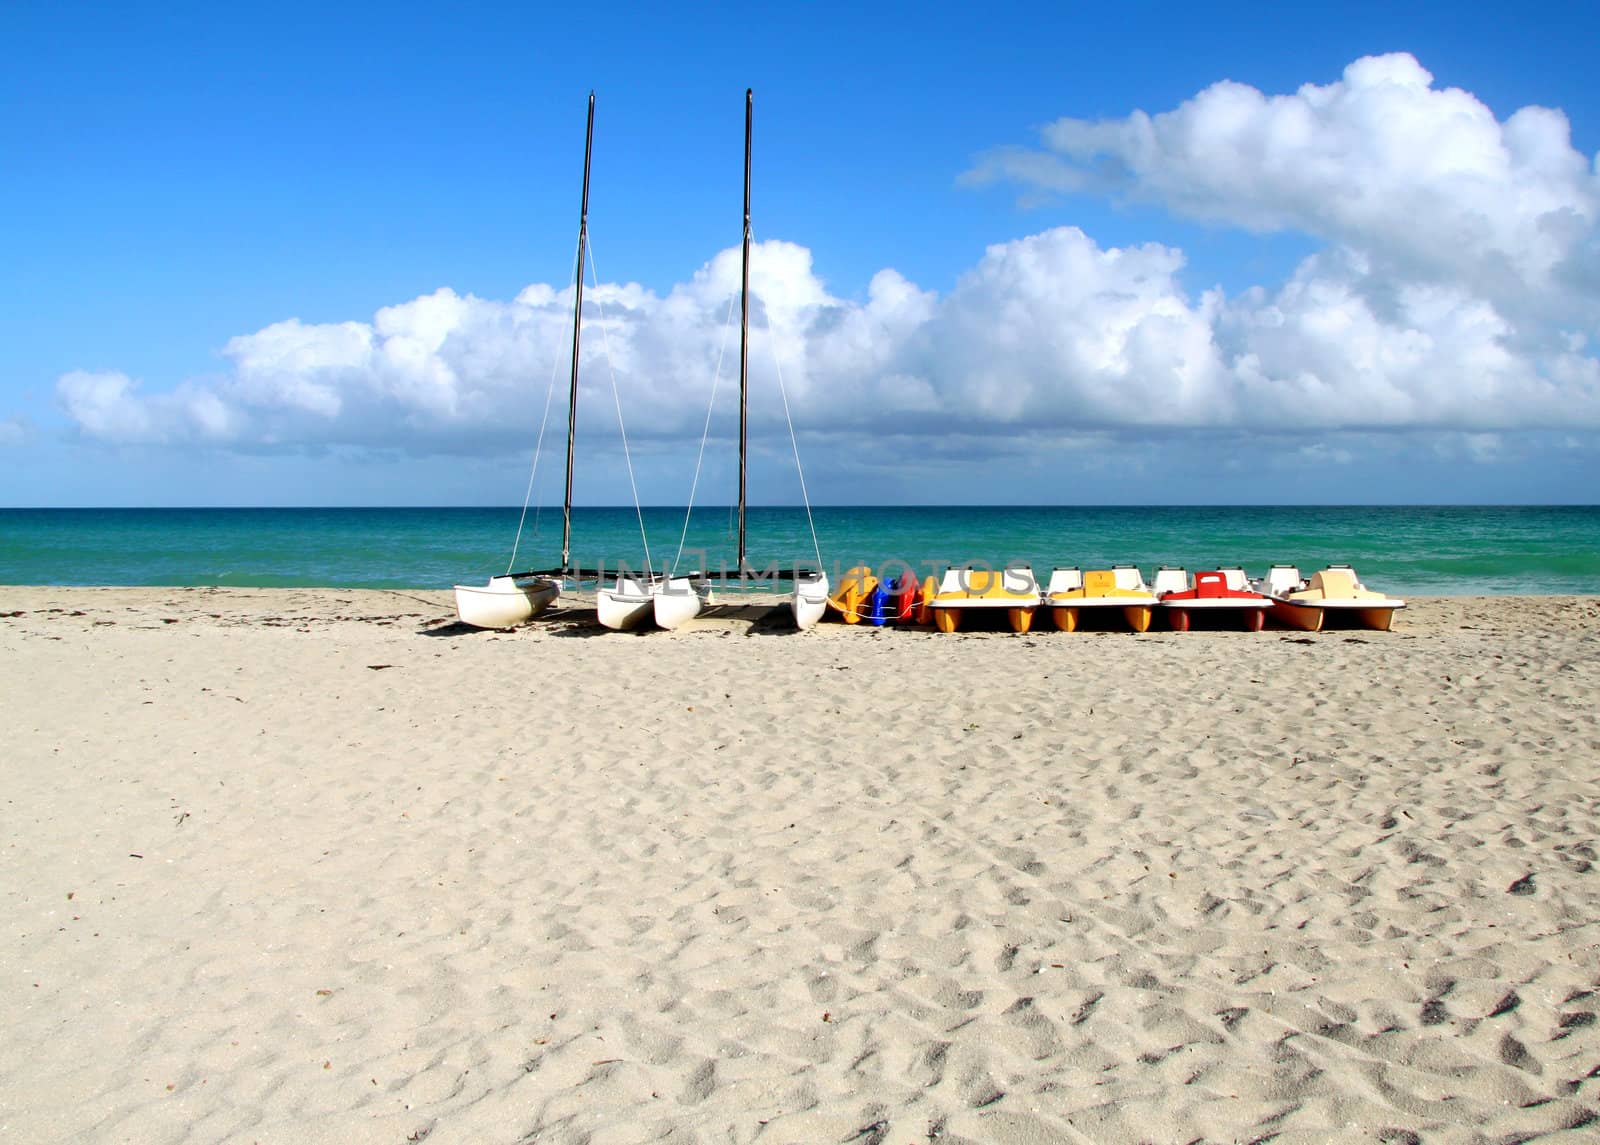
{"type": "Point", "coordinates": [1224, 589]}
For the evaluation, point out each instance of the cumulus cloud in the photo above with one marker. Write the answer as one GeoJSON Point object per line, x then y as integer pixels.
{"type": "Point", "coordinates": [1423, 178]}
{"type": "Point", "coordinates": [1456, 293]}
{"type": "Point", "coordinates": [107, 406]}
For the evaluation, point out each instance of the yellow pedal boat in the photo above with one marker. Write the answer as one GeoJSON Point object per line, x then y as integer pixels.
{"type": "Point", "coordinates": [1013, 589]}
{"type": "Point", "coordinates": [855, 589]}
{"type": "Point", "coordinates": [1122, 586]}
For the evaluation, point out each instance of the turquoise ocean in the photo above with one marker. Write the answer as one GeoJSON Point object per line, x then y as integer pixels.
{"type": "Point", "coordinates": [1445, 550]}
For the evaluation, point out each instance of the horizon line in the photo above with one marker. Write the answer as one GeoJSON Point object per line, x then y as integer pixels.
{"type": "Point", "coordinates": [853, 506]}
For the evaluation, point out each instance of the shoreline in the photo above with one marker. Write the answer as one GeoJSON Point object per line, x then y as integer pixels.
{"type": "Point", "coordinates": [433, 607]}
{"type": "Point", "coordinates": [321, 865]}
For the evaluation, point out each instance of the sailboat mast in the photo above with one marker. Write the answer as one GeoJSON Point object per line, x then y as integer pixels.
{"type": "Point", "coordinates": [744, 322]}
{"type": "Point", "coordinates": [577, 325]}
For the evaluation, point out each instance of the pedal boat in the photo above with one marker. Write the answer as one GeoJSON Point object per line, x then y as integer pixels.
{"type": "Point", "coordinates": [1333, 593]}
{"type": "Point", "coordinates": [1013, 589]}
{"type": "Point", "coordinates": [1122, 586]}
{"type": "Point", "coordinates": [854, 595]}
{"type": "Point", "coordinates": [863, 596]}
{"type": "Point", "coordinates": [905, 598]}
{"type": "Point", "coordinates": [1215, 590]}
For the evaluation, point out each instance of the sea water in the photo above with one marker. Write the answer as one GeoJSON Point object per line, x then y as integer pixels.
{"type": "Point", "coordinates": [1444, 550]}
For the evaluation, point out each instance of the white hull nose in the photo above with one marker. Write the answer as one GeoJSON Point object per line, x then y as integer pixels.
{"type": "Point", "coordinates": [505, 601]}
{"type": "Point", "coordinates": [626, 603]}
{"type": "Point", "coordinates": [677, 601]}
{"type": "Point", "coordinates": [810, 601]}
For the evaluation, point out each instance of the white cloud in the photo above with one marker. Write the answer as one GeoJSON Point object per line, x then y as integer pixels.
{"type": "Point", "coordinates": [1321, 454]}
{"type": "Point", "coordinates": [1444, 302]}
{"type": "Point", "coordinates": [1481, 448]}
{"type": "Point", "coordinates": [1046, 331]}
{"type": "Point", "coordinates": [1424, 180]}
{"type": "Point", "coordinates": [301, 367]}
{"type": "Point", "coordinates": [14, 431]}
{"type": "Point", "coordinates": [1485, 446]}
{"type": "Point", "coordinates": [106, 406]}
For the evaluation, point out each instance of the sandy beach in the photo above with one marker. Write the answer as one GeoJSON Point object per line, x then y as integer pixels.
{"type": "Point", "coordinates": [322, 866]}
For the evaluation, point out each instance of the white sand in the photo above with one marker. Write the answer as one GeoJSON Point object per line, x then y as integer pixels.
{"type": "Point", "coordinates": [734, 884]}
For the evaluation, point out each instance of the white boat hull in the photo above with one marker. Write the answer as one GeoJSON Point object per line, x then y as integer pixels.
{"type": "Point", "coordinates": [627, 603]}
{"type": "Point", "coordinates": [677, 601]}
{"type": "Point", "coordinates": [505, 601]}
{"type": "Point", "coordinates": [810, 601]}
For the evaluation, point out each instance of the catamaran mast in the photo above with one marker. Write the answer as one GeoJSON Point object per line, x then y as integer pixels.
{"type": "Point", "coordinates": [577, 325]}
{"type": "Point", "coordinates": [744, 322]}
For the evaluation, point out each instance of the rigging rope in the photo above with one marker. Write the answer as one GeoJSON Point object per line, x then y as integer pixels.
{"type": "Point", "coordinates": [772, 344]}
{"type": "Point", "coordinates": [705, 433]}
{"type": "Point", "coordinates": [538, 446]}
{"type": "Point", "coordinates": [611, 366]}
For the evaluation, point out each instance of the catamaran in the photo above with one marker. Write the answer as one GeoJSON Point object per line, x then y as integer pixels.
{"type": "Point", "coordinates": [681, 598]}
{"type": "Point", "coordinates": [514, 598]}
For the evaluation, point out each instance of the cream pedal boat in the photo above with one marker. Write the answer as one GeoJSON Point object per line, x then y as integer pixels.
{"type": "Point", "coordinates": [1332, 593]}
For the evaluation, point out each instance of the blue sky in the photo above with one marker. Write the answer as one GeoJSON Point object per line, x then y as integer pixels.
{"type": "Point", "coordinates": [1007, 254]}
